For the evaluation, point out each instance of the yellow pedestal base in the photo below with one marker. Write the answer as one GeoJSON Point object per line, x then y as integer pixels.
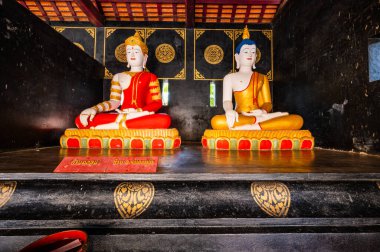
{"type": "Point", "coordinates": [121, 139]}
{"type": "Point", "coordinates": [258, 140]}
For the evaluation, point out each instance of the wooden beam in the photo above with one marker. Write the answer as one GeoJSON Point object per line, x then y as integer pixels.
{"type": "Point", "coordinates": [233, 13]}
{"type": "Point", "coordinates": [220, 7]}
{"type": "Point", "coordinates": [130, 14]}
{"type": "Point", "coordinates": [56, 10]}
{"type": "Point", "coordinates": [190, 13]}
{"type": "Point", "coordinates": [116, 12]}
{"type": "Point", "coordinates": [99, 6]}
{"type": "Point", "coordinates": [70, 6]}
{"type": "Point", "coordinates": [263, 7]}
{"type": "Point", "coordinates": [39, 6]}
{"type": "Point", "coordinates": [247, 13]}
{"type": "Point", "coordinates": [204, 13]}
{"type": "Point", "coordinates": [145, 13]}
{"type": "Point", "coordinates": [240, 2]}
{"type": "Point", "coordinates": [91, 12]}
{"type": "Point", "coordinates": [175, 12]}
{"type": "Point", "coordinates": [159, 11]}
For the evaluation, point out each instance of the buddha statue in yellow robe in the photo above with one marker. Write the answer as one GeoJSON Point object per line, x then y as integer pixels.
{"type": "Point", "coordinates": [252, 95]}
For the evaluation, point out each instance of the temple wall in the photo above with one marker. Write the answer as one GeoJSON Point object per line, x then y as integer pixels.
{"type": "Point", "coordinates": [321, 70]}
{"type": "Point", "coordinates": [189, 81]}
{"type": "Point", "coordinates": [45, 80]}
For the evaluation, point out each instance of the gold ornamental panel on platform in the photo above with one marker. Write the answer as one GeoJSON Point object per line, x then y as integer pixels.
{"type": "Point", "coordinates": [82, 37]}
{"type": "Point", "coordinates": [7, 189]}
{"type": "Point", "coordinates": [133, 198]}
{"type": "Point", "coordinates": [272, 197]}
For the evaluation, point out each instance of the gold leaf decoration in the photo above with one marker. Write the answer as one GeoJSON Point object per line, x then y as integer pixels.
{"type": "Point", "coordinates": [198, 75]}
{"type": "Point", "coordinates": [198, 33]}
{"type": "Point", "coordinates": [141, 32]}
{"type": "Point", "coordinates": [269, 75]}
{"type": "Point", "coordinates": [181, 74]}
{"type": "Point", "coordinates": [91, 31]}
{"type": "Point", "coordinates": [107, 74]}
{"type": "Point", "coordinates": [238, 33]}
{"type": "Point", "coordinates": [7, 189]}
{"type": "Point", "coordinates": [268, 34]}
{"type": "Point", "coordinates": [181, 32]}
{"type": "Point", "coordinates": [213, 54]}
{"type": "Point", "coordinates": [109, 31]}
{"type": "Point", "coordinates": [120, 53]}
{"type": "Point", "coordinates": [272, 197]}
{"type": "Point", "coordinates": [230, 34]}
{"type": "Point", "coordinates": [165, 53]}
{"type": "Point", "coordinates": [79, 45]}
{"type": "Point", "coordinates": [133, 198]}
{"type": "Point", "coordinates": [149, 32]}
{"type": "Point", "coordinates": [59, 29]}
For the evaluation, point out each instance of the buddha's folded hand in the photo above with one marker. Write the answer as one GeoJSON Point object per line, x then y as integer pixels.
{"type": "Point", "coordinates": [87, 115]}
{"type": "Point", "coordinates": [231, 116]}
{"type": "Point", "coordinates": [256, 112]}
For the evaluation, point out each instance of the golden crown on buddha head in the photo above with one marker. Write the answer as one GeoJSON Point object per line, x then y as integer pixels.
{"type": "Point", "coordinates": [137, 40]}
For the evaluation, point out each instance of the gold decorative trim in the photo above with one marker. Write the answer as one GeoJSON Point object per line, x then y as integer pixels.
{"type": "Point", "coordinates": [141, 32]}
{"type": "Point", "coordinates": [165, 53]}
{"type": "Point", "coordinates": [269, 75]}
{"type": "Point", "coordinates": [258, 55]}
{"type": "Point", "coordinates": [238, 33]}
{"type": "Point", "coordinates": [91, 31]}
{"type": "Point", "coordinates": [123, 133]}
{"type": "Point", "coordinates": [7, 189]}
{"type": "Point", "coordinates": [198, 75]}
{"type": "Point", "coordinates": [268, 34]}
{"type": "Point", "coordinates": [268, 134]}
{"type": "Point", "coordinates": [181, 74]}
{"type": "Point", "coordinates": [272, 197]}
{"type": "Point", "coordinates": [79, 45]}
{"type": "Point", "coordinates": [59, 29]}
{"type": "Point", "coordinates": [149, 32]}
{"type": "Point", "coordinates": [230, 34]}
{"type": "Point", "coordinates": [109, 31]}
{"type": "Point", "coordinates": [213, 54]}
{"type": "Point", "coordinates": [181, 33]}
{"type": "Point", "coordinates": [198, 33]}
{"type": "Point", "coordinates": [133, 198]}
{"type": "Point", "coordinates": [120, 53]}
{"type": "Point", "coordinates": [107, 74]}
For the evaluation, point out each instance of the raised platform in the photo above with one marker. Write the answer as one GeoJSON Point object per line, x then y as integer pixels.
{"type": "Point", "coordinates": [200, 198]}
{"type": "Point", "coordinates": [258, 140]}
{"type": "Point", "coordinates": [121, 139]}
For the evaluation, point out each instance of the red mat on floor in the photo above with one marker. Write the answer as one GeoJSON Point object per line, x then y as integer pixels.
{"type": "Point", "coordinates": [108, 165]}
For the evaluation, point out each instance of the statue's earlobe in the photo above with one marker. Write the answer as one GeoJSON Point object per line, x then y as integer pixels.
{"type": "Point", "coordinates": [145, 60]}
{"type": "Point", "coordinates": [254, 66]}
{"type": "Point", "coordinates": [237, 61]}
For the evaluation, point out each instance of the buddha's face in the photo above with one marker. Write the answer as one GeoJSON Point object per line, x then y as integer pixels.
{"type": "Point", "coordinates": [135, 56]}
{"type": "Point", "coordinates": [246, 57]}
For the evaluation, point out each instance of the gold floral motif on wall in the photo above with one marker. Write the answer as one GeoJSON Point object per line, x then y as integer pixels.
{"type": "Point", "coordinates": [272, 197]}
{"type": "Point", "coordinates": [133, 198]}
{"type": "Point", "coordinates": [214, 54]}
{"type": "Point", "coordinates": [7, 189]}
{"type": "Point", "coordinates": [165, 53]}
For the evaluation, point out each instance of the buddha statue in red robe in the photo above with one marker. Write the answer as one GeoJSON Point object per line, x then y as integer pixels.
{"type": "Point", "coordinates": [135, 97]}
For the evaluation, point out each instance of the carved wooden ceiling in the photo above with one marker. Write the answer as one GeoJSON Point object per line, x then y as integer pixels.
{"type": "Point", "coordinates": [187, 11]}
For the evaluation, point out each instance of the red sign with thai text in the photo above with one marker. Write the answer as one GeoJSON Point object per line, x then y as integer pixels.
{"type": "Point", "coordinates": [108, 165]}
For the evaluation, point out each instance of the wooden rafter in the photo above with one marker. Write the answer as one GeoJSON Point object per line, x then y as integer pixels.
{"type": "Point", "coordinates": [39, 6]}
{"type": "Point", "coordinates": [144, 12]}
{"type": "Point", "coordinates": [220, 7]}
{"type": "Point", "coordinates": [70, 6]}
{"type": "Point", "coordinates": [117, 15]}
{"type": "Point", "coordinates": [190, 13]}
{"type": "Point", "coordinates": [204, 13]}
{"type": "Point", "coordinates": [247, 13]}
{"type": "Point", "coordinates": [240, 2]}
{"type": "Point", "coordinates": [263, 7]}
{"type": "Point", "coordinates": [91, 12]}
{"type": "Point", "coordinates": [159, 11]}
{"type": "Point", "coordinates": [233, 13]}
{"type": "Point", "coordinates": [129, 10]}
{"type": "Point", "coordinates": [56, 10]}
{"type": "Point", "coordinates": [175, 13]}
